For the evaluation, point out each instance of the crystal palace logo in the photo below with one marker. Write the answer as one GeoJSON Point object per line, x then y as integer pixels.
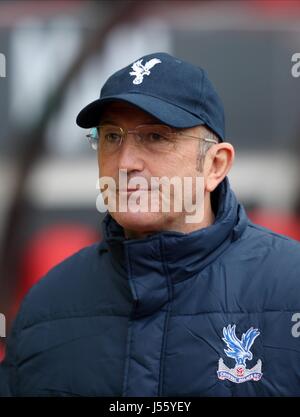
{"type": "Point", "coordinates": [239, 350]}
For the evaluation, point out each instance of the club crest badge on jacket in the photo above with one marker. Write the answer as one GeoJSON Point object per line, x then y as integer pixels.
{"type": "Point", "coordinates": [239, 350]}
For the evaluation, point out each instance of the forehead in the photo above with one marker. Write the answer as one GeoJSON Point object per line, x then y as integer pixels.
{"type": "Point", "coordinates": [122, 111]}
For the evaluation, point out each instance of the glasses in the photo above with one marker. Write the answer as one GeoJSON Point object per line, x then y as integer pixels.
{"type": "Point", "coordinates": [152, 137]}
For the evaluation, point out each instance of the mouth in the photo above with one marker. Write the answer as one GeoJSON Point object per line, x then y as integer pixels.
{"type": "Point", "coordinates": [132, 190]}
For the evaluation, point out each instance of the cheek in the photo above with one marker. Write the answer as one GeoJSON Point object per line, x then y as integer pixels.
{"type": "Point", "coordinates": [107, 167]}
{"type": "Point", "coordinates": [181, 164]}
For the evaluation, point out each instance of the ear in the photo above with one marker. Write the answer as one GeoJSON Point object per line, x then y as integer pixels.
{"type": "Point", "coordinates": [217, 164]}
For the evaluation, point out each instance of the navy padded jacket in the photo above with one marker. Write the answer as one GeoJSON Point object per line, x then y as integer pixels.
{"type": "Point", "coordinates": [207, 313]}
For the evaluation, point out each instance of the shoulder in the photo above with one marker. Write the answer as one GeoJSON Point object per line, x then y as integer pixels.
{"type": "Point", "coordinates": [270, 252]}
{"type": "Point", "coordinates": [272, 243]}
{"type": "Point", "coordinates": [68, 288]}
{"type": "Point", "coordinates": [270, 262]}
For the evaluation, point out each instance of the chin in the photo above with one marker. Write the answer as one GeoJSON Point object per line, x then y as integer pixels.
{"type": "Point", "coordinates": [140, 222]}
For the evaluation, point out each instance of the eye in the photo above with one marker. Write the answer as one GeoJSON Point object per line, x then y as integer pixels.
{"type": "Point", "coordinates": [110, 134]}
{"type": "Point", "coordinates": [154, 136]}
{"type": "Point", "coordinates": [112, 137]}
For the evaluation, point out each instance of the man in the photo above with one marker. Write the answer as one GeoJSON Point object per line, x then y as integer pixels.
{"type": "Point", "coordinates": [166, 305]}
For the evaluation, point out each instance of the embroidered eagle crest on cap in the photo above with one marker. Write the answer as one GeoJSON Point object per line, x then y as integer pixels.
{"type": "Point", "coordinates": [140, 70]}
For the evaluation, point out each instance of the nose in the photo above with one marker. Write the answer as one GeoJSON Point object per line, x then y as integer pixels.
{"type": "Point", "coordinates": [130, 156]}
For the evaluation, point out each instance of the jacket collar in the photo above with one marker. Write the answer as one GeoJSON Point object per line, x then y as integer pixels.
{"type": "Point", "coordinates": [184, 254]}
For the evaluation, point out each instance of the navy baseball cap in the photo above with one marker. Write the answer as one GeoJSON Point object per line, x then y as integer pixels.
{"type": "Point", "coordinates": [174, 91]}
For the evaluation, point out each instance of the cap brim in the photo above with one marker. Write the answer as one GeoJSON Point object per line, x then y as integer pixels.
{"type": "Point", "coordinates": [165, 112]}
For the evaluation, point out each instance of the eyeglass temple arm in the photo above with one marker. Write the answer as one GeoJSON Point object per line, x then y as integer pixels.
{"type": "Point", "coordinates": [210, 140]}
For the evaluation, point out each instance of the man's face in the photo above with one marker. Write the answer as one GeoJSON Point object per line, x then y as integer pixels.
{"type": "Point", "coordinates": [178, 161]}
